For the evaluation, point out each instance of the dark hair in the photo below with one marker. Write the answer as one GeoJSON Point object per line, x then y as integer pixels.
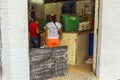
{"type": "Point", "coordinates": [34, 19]}
{"type": "Point", "coordinates": [53, 18]}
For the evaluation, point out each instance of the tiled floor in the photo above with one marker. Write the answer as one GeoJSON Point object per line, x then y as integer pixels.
{"type": "Point", "coordinates": [82, 72]}
{"type": "Point", "coordinates": [82, 68]}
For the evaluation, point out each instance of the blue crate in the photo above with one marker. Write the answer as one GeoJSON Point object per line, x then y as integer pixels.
{"type": "Point", "coordinates": [91, 43]}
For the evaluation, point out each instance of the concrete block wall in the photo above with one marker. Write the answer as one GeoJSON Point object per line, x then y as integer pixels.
{"type": "Point", "coordinates": [109, 40]}
{"type": "Point", "coordinates": [53, 8]}
{"type": "Point", "coordinates": [56, 8]}
{"type": "Point", "coordinates": [40, 11]}
{"type": "Point", "coordinates": [14, 31]}
{"type": "Point", "coordinates": [80, 5]}
{"type": "Point", "coordinates": [15, 40]}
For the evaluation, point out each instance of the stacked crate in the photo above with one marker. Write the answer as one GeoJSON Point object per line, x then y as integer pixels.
{"type": "Point", "coordinates": [77, 46]}
{"type": "Point", "coordinates": [48, 63]}
{"type": "Point", "coordinates": [69, 39]}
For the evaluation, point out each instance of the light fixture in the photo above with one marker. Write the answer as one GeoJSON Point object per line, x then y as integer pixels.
{"type": "Point", "coordinates": [37, 1]}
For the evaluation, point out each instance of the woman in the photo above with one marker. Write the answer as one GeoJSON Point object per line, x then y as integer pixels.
{"type": "Point", "coordinates": [34, 34]}
{"type": "Point", "coordinates": [52, 32]}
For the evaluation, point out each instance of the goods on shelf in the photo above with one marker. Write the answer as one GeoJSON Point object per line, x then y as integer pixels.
{"type": "Point", "coordinates": [84, 26]}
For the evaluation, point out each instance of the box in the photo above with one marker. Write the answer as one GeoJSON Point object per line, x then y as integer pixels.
{"type": "Point", "coordinates": [70, 22]}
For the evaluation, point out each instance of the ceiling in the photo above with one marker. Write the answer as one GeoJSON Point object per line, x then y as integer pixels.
{"type": "Point", "coordinates": [52, 1]}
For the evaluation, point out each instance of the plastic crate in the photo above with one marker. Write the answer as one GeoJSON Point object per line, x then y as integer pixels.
{"type": "Point", "coordinates": [91, 40]}
{"type": "Point", "coordinates": [70, 22]}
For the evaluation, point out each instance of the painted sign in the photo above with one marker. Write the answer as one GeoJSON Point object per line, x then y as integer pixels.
{"type": "Point", "coordinates": [48, 62]}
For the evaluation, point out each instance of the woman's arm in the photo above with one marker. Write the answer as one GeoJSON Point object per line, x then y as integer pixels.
{"type": "Point", "coordinates": [46, 33]}
{"type": "Point", "coordinates": [60, 31]}
{"type": "Point", "coordinates": [37, 31]}
{"type": "Point", "coordinates": [37, 28]}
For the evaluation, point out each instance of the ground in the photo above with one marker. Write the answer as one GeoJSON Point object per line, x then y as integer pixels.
{"type": "Point", "coordinates": [82, 72]}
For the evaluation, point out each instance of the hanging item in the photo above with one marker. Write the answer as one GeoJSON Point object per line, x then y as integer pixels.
{"type": "Point", "coordinates": [68, 7]}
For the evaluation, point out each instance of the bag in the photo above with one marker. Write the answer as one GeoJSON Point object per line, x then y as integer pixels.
{"type": "Point", "coordinates": [59, 30]}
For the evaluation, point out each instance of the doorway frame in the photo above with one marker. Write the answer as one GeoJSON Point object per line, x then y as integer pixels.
{"type": "Point", "coordinates": [97, 38]}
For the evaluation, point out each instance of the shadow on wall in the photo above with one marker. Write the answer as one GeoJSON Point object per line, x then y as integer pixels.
{"type": "Point", "coordinates": [0, 53]}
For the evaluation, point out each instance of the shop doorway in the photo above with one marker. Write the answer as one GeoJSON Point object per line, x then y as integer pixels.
{"type": "Point", "coordinates": [85, 67]}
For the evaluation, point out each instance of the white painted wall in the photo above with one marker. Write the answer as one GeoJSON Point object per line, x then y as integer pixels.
{"type": "Point", "coordinates": [109, 40]}
{"type": "Point", "coordinates": [14, 27]}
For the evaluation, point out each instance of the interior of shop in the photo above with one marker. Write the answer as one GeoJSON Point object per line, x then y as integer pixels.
{"type": "Point", "coordinates": [77, 19]}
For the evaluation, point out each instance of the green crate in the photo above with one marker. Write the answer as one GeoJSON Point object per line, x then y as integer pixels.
{"type": "Point", "coordinates": [42, 23]}
{"type": "Point", "coordinates": [70, 22]}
